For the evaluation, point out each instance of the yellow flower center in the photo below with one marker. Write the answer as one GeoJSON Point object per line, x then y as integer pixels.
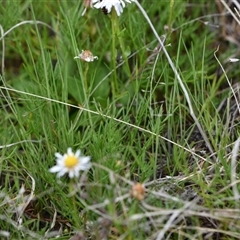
{"type": "Point", "coordinates": [71, 161]}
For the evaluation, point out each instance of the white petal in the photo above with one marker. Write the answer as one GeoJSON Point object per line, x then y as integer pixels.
{"type": "Point", "coordinates": [60, 162]}
{"type": "Point", "coordinates": [98, 5]}
{"type": "Point", "coordinates": [71, 173]}
{"type": "Point", "coordinates": [84, 160]}
{"type": "Point", "coordinates": [123, 4]}
{"type": "Point", "coordinates": [78, 153]}
{"type": "Point", "coordinates": [85, 167]}
{"type": "Point", "coordinates": [58, 155]}
{"type": "Point", "coordinates": [61, 173]}
{"type": "Point", "coordinates": [55, 169]}
{"type": "Point", "coordinates": [69, 152]}
{"type": "Point", "coordinates": [77, 174]}
{"type": "Point", "coordinates": [119, 10]}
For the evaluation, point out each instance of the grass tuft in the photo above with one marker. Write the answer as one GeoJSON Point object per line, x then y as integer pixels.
{"type": "Point", "coordinates": [157, 110]}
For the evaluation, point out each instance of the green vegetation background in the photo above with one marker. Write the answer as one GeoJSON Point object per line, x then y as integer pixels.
{"type": "Point", "coordinates": [125, 131]}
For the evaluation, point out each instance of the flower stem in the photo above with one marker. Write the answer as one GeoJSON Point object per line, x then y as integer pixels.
{"type": "Point", "coordinates": [114, 83]}
{"type": "Point", "coordinates": [86, 91]}
{"type": "Point", "coordinates": [170, 16]}
{"type": "Point", "coordinates": [85, 77]}
{"type": "Point", "coordinates": [73, 200]}
{"type": "Point", "coordinates": [123, 49]}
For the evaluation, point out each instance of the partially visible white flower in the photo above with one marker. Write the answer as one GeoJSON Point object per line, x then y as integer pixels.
{"type": "Point", "coordinates": [233, 60]}
{"type": "Point", "coordinates": [70, 163]}
{"type": "Point", "coordinates": [4, 234]}
{"type": "Point", "coordinates": [86, 56]}
{"type": "Point", "coordinates": [108, 4]}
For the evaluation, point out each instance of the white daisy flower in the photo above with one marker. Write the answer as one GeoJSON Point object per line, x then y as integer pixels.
{"type": "Point", "coordinates": [86, 56]}
{"type": "Point", "coordinates": [107, 5]}
{"type": "Point", "coordinates": [70, 163]}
